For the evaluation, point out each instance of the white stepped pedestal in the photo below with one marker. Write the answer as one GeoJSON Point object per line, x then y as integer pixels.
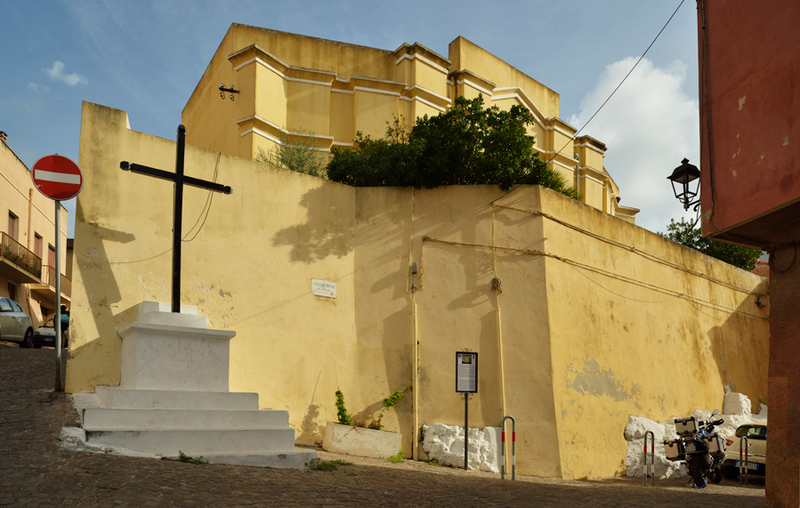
{"type": "Point", "coordinates": [173, 397]}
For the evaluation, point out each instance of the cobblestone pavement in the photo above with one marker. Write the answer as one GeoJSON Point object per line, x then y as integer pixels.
{"type": "Point", "coordinates": [34, 471]}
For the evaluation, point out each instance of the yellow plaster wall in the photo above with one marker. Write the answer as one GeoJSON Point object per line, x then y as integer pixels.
{"type": "Point", "coordinates": [655, 332]}
{"type": "Point", "coordinates": [585, 332]}
{"type": "Point", "coordinates": [464, 54]}
{"type": "Point", "coordinates": [249, 269]}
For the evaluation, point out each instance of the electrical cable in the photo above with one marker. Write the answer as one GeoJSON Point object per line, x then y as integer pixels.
{"type": "Point", "coordinates": [606, 273]}
{"type": "Point", "coordinates": [206, 208]}
{"type": "Point", "coordinates": [619, 85]}
{"type": "Point", "coordinates": [572, 139]}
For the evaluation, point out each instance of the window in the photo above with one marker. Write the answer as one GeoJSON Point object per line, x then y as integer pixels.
{"type": "Point", "coordinates": [37, 244]}
{"type": "Point", "coordinates": [13, 225]}
{"type": "Point", "coordinates": [51, 255]}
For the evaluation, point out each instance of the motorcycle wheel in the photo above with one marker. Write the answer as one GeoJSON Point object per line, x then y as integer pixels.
{"type": "Point", "coordinates": [696, 472]}
{"type": "Point", "coordinates": [715, 475]}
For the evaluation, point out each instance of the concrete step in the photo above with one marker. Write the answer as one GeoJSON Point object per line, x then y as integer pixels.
{"type": "Point", "coordinates": [127, 398]}
{"type": "Point", "coordinates": [97, 419]}
{"type": "Point", "coordinates": [193, 442]}
{"type": "Point", "coordinates": [291, 459]}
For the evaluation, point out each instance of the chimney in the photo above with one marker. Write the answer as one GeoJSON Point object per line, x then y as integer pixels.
{"type": "Point", "coordinates": [3, 137]}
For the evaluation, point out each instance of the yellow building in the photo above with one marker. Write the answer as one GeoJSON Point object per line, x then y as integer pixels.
{"type": "Point", "coordinates": [594, 320]}
{"type": "Point", "coordinates": [290, 85]}
{"type": "Point", "coordinates": [27, 255]}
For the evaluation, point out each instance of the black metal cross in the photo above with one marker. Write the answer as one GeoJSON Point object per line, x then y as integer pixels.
{"type": "Point", "coordinates": [180, 180]}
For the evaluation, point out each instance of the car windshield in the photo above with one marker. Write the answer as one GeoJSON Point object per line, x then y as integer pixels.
{"type": "Point", "coordinates": [49, 324]}
{"type": "Point", "coordinates": [752, 432]}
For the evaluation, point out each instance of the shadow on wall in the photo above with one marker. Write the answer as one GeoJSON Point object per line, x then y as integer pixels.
{"type": "Point", "coordinates": [92, 260]}
{"type": "Point", "coordinates": [327, 230]}
{"type": "Point", "coordinates": [742, 361]}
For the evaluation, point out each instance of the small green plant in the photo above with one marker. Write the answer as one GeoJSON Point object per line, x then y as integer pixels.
{"type": "Point", "coordinates": [388, 402]}
{"type": "Point", "coordinates": [322, 465]}
{"type": "Point", "coordinates": [341, 413]}
{"type": "Point", "coordinates": [433, 462]}
{"type": "Point", "coordinates": [298, 152]}
{"type": "Point", "coordinates": [422, 433]}
{"type": "Point", "coordinates": [396, 459]}
{"type": "Point", "coordinates": [182, 457]}
{"type": "Point", "coordinates": [341, 462]}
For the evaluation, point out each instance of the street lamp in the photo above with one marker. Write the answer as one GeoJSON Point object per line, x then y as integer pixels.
{"type": "Point", "coordinates": [684, 175]}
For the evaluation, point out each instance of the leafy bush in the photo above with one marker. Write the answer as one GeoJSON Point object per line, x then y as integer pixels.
{"type": "Point", "coordinates": [685, 233]}
{"type": "Point", "coordinates": [467, 145]}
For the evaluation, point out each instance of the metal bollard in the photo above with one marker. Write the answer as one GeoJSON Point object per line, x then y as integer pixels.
{"type": "Point", "coordinates": [743, 469]}
{"type": "Point", "coordinates": [652, 457]}
{"type": "Point", "coordinates": [513, 448]}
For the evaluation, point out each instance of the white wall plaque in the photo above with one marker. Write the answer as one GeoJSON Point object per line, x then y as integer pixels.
{"type": "Point", "coordinates": [324, 288]}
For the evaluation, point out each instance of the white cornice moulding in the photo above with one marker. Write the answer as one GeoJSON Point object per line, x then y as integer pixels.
{"type": "Point", "coordinates": [284, 76]}
{"type": "Point", "coordinates": [422, 59]}
{"type": "Point", "coordinates": [420, 99]}
{"type": "Point", "coordinates": [431, 92]}
{"type": "Point", "coordinates": [524, 99]}
{"type": "Point", "coordinates": [474, 85]}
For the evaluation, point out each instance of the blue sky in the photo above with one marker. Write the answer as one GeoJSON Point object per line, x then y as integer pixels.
{"type": "Point", "coordinates": [145, 57]}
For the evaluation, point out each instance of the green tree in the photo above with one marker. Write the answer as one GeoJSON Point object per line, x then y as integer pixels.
{"type": "Point", "coordinates": [467, 145]}
{"type": "Point", "coordinates": [685, 233]}
{"type": "Point", "coordinates": [298, 153]}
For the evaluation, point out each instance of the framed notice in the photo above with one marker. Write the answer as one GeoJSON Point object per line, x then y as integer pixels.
{"type": "Point", "coordinates": [466, 372]}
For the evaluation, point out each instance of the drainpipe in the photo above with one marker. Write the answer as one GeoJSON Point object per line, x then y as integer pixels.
{"type": "Point", "coordinates": [499, 317]}
{"type": "Point", "coordinates": [415, 344]}
{"type": "Point", "coordinates": [30, 207]}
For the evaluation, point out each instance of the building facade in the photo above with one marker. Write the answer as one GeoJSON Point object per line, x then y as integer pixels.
{"type": "Point", "coordinates": [594, 319]}
{"type": "Point", "coordinates": [290, 85]}
{"type": "Point", "coordinates": [27, 258]}
{"type": "Point", "coordinates": [750, 171]}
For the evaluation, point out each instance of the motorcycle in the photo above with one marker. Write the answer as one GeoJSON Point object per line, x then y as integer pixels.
{"type": "Point", "coordinates": [700, 447]}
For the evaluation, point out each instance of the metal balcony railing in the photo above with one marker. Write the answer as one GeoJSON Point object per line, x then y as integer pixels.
{"type": "Point", "coordinates": [49, 278]}
{"type": "Point", "coordinates": [20, 256]}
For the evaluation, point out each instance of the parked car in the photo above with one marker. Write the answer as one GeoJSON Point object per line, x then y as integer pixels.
{"type": "Point", "coordinates": [46, 335]}
{"type": "Point", "coordinates": [15, 325]}
{"type": "Point", "coordinates": [756, 434]}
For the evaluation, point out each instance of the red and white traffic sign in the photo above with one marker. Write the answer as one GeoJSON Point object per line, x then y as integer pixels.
{"type": "Point", "coordinates": [57, 177]}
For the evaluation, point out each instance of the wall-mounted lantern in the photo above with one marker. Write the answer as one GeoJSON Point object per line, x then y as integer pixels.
{"type": "Point", "coordinates": [682, 179]}
{"type": "Point", "coordinates": [223, 90]}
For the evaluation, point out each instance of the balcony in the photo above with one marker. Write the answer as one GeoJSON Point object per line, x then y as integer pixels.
{"type": "Point", "coordinates": [18, 264]}
{"type": "Point", "coordinates": [49, 279]}
{"type": "Point", "coordinates": [45, 291]}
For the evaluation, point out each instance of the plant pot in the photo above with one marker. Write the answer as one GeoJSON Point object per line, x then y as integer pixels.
{"type": "Point", "coordinates": [379, 444]}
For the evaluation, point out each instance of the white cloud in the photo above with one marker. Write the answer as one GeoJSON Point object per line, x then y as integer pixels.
{"type": "Point", "coordinates": [36, 87]}
{"type": "Point", "coordinates": [649, 126]}
{"type": "Point", "coordinates": [56, 73]}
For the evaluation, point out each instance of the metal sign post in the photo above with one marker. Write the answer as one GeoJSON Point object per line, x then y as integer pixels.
{"type": "Point", "coordinates": [57, 322]}
{"type": "Point", "coordinates": [59, 179]}
{"type": "Point", "coordinates": [466, 383]}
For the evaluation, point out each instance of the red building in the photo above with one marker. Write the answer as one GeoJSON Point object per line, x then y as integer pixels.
{"type": "Point", "coordinates": [750, 174]}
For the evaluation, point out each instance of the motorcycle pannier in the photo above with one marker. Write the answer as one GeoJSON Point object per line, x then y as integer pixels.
{"type": "Point", "coordinates": [685, 426]}
{"type": "Point", "coordinates": [674, 450]}
{"type": "Point", "coordinates": [714, 444]}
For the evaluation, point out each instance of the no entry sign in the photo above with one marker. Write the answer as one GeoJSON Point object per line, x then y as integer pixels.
{"type": "Point", "coordinates": [57, 177]}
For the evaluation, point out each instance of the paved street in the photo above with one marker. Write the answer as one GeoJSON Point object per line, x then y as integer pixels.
{"type": "Point", "coordinates": [34, 471]}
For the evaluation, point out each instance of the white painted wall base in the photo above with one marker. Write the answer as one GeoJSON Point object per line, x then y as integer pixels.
{"type": "Point", "coordinates": [379, 444]}
{"type": "Point", "coordinates": [173, 398]}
